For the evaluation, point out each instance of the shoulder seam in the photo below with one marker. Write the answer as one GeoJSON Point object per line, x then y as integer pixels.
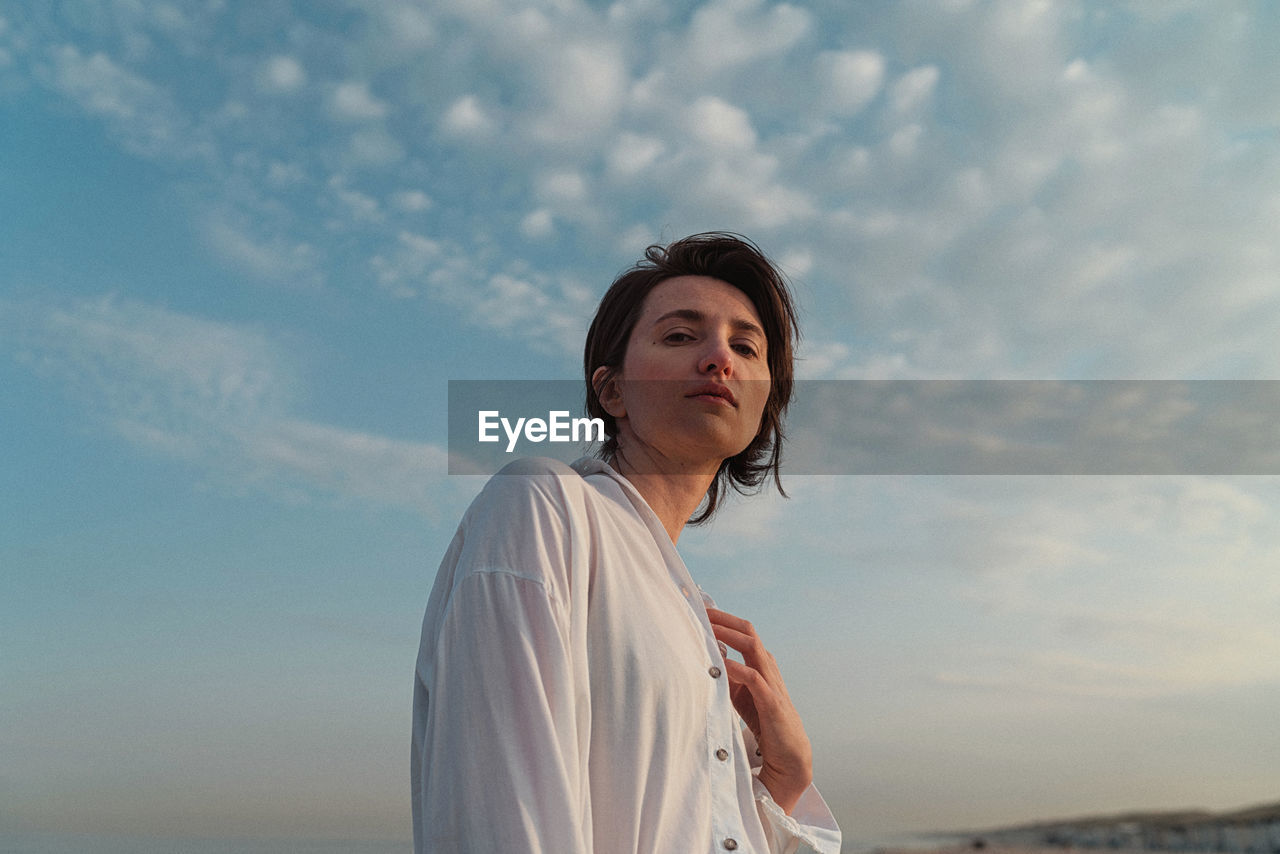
{"type": "Point", "coordinates": [502, 570]}
{"type": "Point", "coordinates": [476, 572]}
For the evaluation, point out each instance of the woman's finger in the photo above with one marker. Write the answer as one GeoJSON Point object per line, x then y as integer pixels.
{"type": "Point", "coordinates": [760, 696]}
{"type": "Point", "coordinates": [740, 635]}
{"type": "Point", "coordinates": [752, 650]}
{"type": "Point", "coordinates": [724, 618]}
{"type": "Point", "coordinates": [763, 696]}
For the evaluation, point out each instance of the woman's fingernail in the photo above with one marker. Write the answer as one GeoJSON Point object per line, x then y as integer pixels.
{"type": "Point", "coordinates": [724, 650]}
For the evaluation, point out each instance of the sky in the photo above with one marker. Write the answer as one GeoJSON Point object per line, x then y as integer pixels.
{"type": "Point", "coordinates": [244, 246]}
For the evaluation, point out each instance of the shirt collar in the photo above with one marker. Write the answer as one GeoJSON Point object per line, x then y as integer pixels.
{"type": "Point", "coordinates": [587, 466]}
{"type": "Point", "coordinates": [592, 465]}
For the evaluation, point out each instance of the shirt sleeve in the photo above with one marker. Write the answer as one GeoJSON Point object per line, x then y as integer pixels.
{"type": "Point", "coordinates": [809, 829]}
{"type": "Point", "coordinates": [499, 750]}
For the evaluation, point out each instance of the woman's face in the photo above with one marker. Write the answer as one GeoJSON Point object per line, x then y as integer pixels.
{"type": "Point", "coordinates": [695, 378]}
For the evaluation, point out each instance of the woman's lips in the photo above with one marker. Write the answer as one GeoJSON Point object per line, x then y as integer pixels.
{"type": "Point", "coordinates": [714, 392]}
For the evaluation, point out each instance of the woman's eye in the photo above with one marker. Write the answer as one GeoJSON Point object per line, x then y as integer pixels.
{"type": "Point", "coordinates": [678, 337]}
{"type": "Point", "coordinates": [745, 349]}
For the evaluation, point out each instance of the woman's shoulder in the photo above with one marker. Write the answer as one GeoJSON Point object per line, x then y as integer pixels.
{"type": "Point", "coordinates": [522, 523]}
{"type": "Point", "coordinates": [530, 488]}
{"type": "Point", "coordinates": [537, 466]}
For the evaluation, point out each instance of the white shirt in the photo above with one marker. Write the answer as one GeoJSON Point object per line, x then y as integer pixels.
{"type": "Point", "coordinates": [570, 696]}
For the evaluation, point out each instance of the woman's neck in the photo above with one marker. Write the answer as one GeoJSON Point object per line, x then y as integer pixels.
{"type": "Point", "coordinates": [672, 491]}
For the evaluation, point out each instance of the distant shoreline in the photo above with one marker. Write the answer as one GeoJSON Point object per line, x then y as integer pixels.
{"type": "Point", "coordinates": [1253, 830]}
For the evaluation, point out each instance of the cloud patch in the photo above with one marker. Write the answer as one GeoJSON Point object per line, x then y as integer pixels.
{"type": "Point", "coordinates": [352, 101]}
{"type": "Point", "coordinates": [850, 80]}
{"type": "Point", "coordinates": [141, 114]}
{"type": "Point", "coordinates": [730, 33]}
{"type": "Point", "coordinates": [282, 75]}
{"type": "Point", "coordinates": [218, 396]}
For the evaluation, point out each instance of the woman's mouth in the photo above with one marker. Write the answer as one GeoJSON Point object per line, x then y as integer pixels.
{"type": "Point", "coordinates": [714, 392]}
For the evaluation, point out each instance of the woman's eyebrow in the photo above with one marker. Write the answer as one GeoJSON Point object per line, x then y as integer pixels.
{"type": "Point", "coordinates": [741, 324]}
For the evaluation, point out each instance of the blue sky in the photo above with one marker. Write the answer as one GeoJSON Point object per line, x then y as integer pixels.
{"type": "Point", "coordinates": [243, 247]}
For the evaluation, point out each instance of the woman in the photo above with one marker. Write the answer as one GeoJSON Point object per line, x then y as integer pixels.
{"type": "Point", "coordinates": [574, 692]}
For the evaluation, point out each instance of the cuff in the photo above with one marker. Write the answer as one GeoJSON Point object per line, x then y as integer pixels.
{"type": "Point", "coordinates": [810, 829]}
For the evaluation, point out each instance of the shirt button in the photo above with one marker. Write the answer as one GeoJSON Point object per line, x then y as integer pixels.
{"type": "Point", "coordinates": [722, 754]}
{"type": "Point", "coordinates": [730, 844]}
{"type": "Point", "coordinates": [714, 671]}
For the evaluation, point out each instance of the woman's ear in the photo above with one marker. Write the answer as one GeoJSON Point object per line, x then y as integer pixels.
{"type": "Point", "coordinates": [605, 382]}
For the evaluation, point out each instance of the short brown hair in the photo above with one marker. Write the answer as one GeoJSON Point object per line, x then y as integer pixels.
{"type": "Point", "coordinates": [737, 261]}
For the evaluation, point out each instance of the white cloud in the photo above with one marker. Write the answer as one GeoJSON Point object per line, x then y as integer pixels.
{"type": "Point", "coordinates": [6, 55]}
{"type": "Point", "coordinates": [171, 20]}
{"type": "Point", "coordinates": [972, 190]}
{"type": "Point", "coordinates": [361, 206]}
{"type": "Point", "coordinates": [423, 247]}
{"type": "Point", "coordinates": [635, 239]}
{"type": "Point", "coordinates": [141, 114]}
{"type": "Point", "coordinates": [939, 234]}
{"type": "Point", "coordinates": [564, 187]}
{"type": "Point", "coordinates": [913, 89]}
{"type": "Point", "coordinates": [852, 165]}
{"type": "Point", "coordinates": [351, 463]}
{"type": "Point", "coordinates": [850, 79]}
{"type": "Point", "coordinates": [282, 75]}
{"type": "Point", "coordinates": [581, 89]}
{"type": "Point", "coordinates": [633, 153]}
{"type": "Point", "coordinates": [1122, 587]}
{"type": "Point", "coordinates": [538, 224]}
{"type": "Point", "coordinates": [509, 301]}
{"type": "Point", "coordinates": [375, 147]}
{"type": "Point", "coordinates": [741, 523]}
{"type": "Point", "coordinates": [728, 33]}
{"type": "Point", "coordinates": [352, 101]}
{"type": "Point", "coordinates": [549, 312]}
{"type": "Point", "coordinates": [411, 201]}
{"type": "Point", "coordinates": [465, 117]}
{"type": "Point", "coordinates": [281, 174]}
{"type": "Point", "coordinates": [408, 24]}
{"type": "Point", "coordinates": [1062, 140]}
{"type": "Point", "coordinates": [828, 360]}
{"type": "Point", "coordinates": [818, 359]}
{"type": "Point", "coordinates": [905, 140]}
{"type": "Point", "coordinates": [406, 264]}
{"type": "Point", "coordinates": [1025, 41]}
{"type": "Point", "coordinates": [720, 125]}
{"type": "Point", "coordinates": [746, 191]}
{"type": "Point", "coordinates": [1218, 508]}
{"type": "Point", "coordinates": [219, 396]}
{"type": "Point", "coordinates": [796, 262]}
{"type": "Point", "coordinates": [529, 25]}
{"type": "Point", "coordinates": [721, 175]}
{"type": "Point", "coordinates": [273, 258]}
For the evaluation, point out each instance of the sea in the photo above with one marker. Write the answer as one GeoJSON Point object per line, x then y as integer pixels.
{"type": "Point", "coordinates": [903, 842]}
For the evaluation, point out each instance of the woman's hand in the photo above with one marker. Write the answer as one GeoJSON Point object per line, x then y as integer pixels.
{"type": "Point", "coordinates": [760, 696]}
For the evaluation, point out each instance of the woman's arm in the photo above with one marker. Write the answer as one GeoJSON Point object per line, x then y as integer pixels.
{"type": "Point", "coordinates": [500, 760]}
{"type": "Point", "coordinates": [500, 727]}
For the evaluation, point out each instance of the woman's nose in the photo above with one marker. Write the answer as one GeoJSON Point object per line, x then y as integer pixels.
{"type": "Point", "coordinates": [717, 359]}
